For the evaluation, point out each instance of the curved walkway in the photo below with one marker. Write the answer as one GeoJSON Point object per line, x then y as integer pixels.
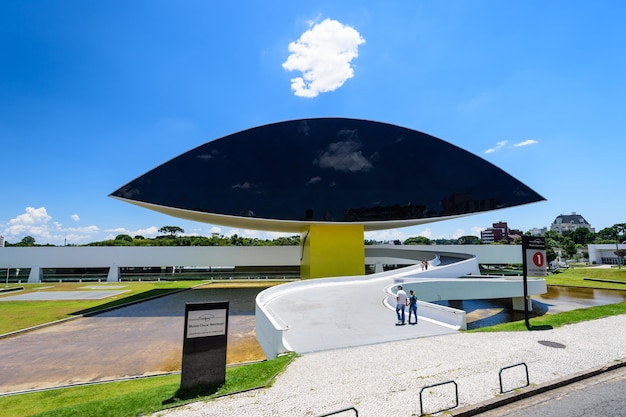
{"type": "Point", "coordinates": [330, 313]}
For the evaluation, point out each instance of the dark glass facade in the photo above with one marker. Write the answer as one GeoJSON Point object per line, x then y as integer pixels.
{"type": "Point", "coordinates": [329, 170]}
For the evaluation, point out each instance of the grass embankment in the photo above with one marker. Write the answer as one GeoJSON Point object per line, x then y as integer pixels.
{"type": "Point", "coordinates": [135, 397]}
{"type": "Point", "coordinates": [607, 278]}
{"type": "Point", "coordinates": [557, 320]}
{"type": "Point", "coordinates": [18, 315]}
{"type": "Point", "coordinates": [590, 277]}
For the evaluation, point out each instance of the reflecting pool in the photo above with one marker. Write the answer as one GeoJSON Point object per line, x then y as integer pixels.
{"type": "Point", "coordinates": [483, 313]}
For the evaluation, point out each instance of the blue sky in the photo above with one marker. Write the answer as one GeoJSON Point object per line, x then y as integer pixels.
{"type": "Point", "coordinates": [94, 94]}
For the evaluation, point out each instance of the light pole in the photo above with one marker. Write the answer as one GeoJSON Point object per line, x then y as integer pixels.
{"type": "Point", "coordinates": [619, 266]}
{"type": "Point", "coordinates": [7, 283]}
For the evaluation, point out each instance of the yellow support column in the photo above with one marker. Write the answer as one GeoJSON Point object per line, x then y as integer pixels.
{"type": "Point", "coordinates": [332, 251]}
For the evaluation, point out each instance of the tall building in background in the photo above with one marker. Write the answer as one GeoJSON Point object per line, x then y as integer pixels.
{"type": "Point", "coordinates": [1, 241]}
{"type": "Point", "coordinates": [500, 232]}
{"type": "Point", "coordinates": [538, 231]}
{"type": "Point", "coordinates": [570, 222]}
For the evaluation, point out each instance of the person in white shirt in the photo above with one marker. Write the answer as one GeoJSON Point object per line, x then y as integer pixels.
{"type": "Point", "coordinates": [401, 300]}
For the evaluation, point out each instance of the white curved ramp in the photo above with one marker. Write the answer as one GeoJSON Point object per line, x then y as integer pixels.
{"type": "Point", "coordinates": [332, 313]}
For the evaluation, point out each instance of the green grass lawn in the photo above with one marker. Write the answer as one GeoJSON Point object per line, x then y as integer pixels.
{"type": "Point", "coordinates": [579, 276]}
{"type": "Point", "coordinates": [137, 396]}
{"type": "Point", "coordinates": [557, 320]}
{"type": "Point", "coordinates": [18, 315]}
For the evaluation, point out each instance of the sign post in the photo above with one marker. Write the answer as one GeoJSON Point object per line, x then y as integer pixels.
{"type": "Point", "coordinates": [204, 347]}
{"type": "Point", "coordinates": [534, 264]}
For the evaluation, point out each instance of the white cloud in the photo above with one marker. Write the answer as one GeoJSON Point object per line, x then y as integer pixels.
{"type": "Point", "coordinates": [36, 223]}
{"type": "Point", "coordinates": [33, 222]}
{"type": "Point", "coordinates": [87, 229]}
{"type": "Point", "coordinates": [32, 216]}
{"type": "Point", "coordinates": [503, 143]}
{"type": "Point", "coordinates": [386, 235]}
{"type": "Point", "coordinates": [276, 235]}
{"type": "Point", "coordinates": [525, 143]}
{"type": "Point", "coordinates": [244, 186]}
{"type": "Point", "coordinates": [499, 145]}
{"type": "Point", "coordinates": [75, 217]}
{"type": "Point", "coordinates": [313, 180]}
{"type": "Point", "coordinates": [233, 232]}
{"type": "Point", "coordinates": [147, 232]}
{"type": "Point", "coordinates": [427, 233]}
{"type": "Point", "coordinates": [476, 230]}
{"type": "Point", "coordinates": [215, 229]}
{"type": "Point", "coordinates": [458, 233]}
{"type": "Point", "coordinates": [344, 156]}
{"type": "Point", "coordinates": [323, 54]}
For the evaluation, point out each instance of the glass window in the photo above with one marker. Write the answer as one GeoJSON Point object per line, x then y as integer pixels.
{"type": "Point", "coordinates": [329, 169]}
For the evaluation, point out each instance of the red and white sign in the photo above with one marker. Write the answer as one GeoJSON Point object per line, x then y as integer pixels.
{"type": "Point", "coordinates": [534, 256]}
{"type": "Point", "coordinates": [536, 263]}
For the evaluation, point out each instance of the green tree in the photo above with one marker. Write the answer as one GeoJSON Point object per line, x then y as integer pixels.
{"type": "Point", "coordinates": [287, 241]}
{"type": "Point", "coordinates": [606, 235]}
{"type": "Point", "coordinates": [569, 246]}
{"type": "Point", "coordinates": [582, 236]}
{"type": "Point", "coordinates": [235, 240]}
{"type": "Point", "coordinates": [125, 238]}
{"type": "Point", "coordinates": [553, 239]}
{"type": "Point", "coordinates": [199, 241]}
{"type": "Point", "coordinates": [171, 230]}
{"type": "Point", "coordinates": [417, 240]}
{"type": "Point", "coordinates": [27, 241]}
{"type": "Point", "coordinates": [469, 240]}
{"type": "Point", "coordinates": [550, 254]}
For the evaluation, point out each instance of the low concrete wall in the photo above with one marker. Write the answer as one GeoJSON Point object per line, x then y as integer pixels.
{"type": "Point", "coordinates": [442, 315]}
{"type": "Point", "coordinates": [270, 329]}
{"type": "Point", "coordinates": [128, 256]}
{"type": "Point", "coordinates": [115, 257]}
{"type": "Point", "coordinates": [269, 332]}
{"type": "Point", "coordinates": [473, 288]}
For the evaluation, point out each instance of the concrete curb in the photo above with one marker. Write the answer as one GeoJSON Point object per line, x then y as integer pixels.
{"type": "Point", "coordinates": [508, 398]}
{"type": "Point", "coordinates": [10, 289]}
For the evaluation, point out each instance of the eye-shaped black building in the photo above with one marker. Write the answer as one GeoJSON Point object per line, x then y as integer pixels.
{"type": "Point", "coordinates": [343, 176]}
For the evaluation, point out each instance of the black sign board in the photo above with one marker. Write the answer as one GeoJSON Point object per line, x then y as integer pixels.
{"type": "Point", "coordinates": [534, 248]}
{"type": "Point", "coordinates": [204, 346]}
{"type": "Point", "coordinates": [534, 263]}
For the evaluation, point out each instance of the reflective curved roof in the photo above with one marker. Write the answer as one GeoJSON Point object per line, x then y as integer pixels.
{"type": "Point", "coordinates": [287, 175]}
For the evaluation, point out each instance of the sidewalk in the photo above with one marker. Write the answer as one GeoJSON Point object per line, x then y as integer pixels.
{"type": "Point", "coordinates": [386, 379]}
